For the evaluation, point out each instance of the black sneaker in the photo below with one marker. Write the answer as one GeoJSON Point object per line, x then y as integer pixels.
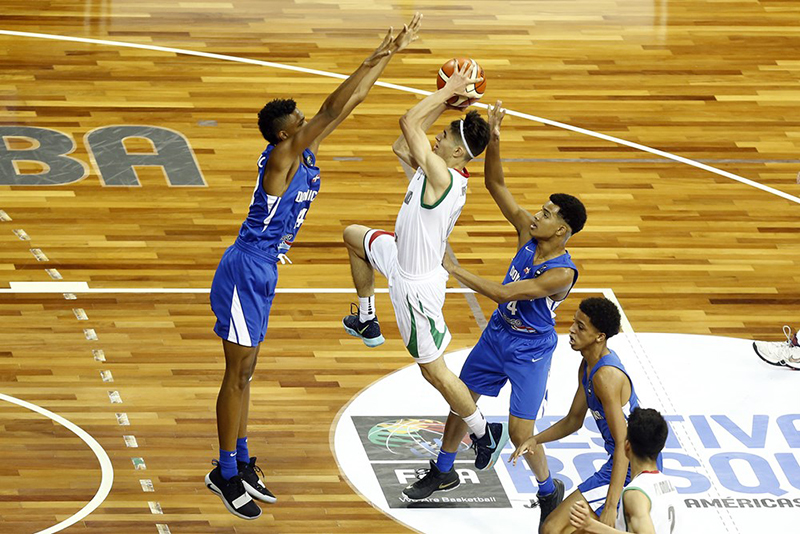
{"type": "Point", "coordinates": [253, 483]}
{"type": "Point", "coordinates": [432, 480]}
{"type": "Point", "coordinates": [369, 331]}
{"type": "Point", "coordinates": [489, 447]}
{"type": "Point", "coordinates": [548, 503]}
{"type": "Point", "coordinates": [233, 494]}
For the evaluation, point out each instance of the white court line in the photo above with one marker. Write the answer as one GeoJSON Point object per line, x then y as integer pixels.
{"type": "Point", "coordinates": [83, 288]}
{"type": "Point", "coordinates": [107, 471]}
{"type": "Point", "coordinates": [664, 400]}
{"type": "Point", "coordinates": [576, 129]}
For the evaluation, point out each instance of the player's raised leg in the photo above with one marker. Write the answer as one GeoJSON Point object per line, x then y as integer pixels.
{"type": "Point", "coordinates": [362, 323]}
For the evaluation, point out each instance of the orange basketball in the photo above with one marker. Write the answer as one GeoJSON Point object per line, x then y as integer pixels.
{"type": "Point", "coordinates": [474, 91]}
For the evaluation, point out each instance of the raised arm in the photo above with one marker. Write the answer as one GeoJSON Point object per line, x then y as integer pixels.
{"type": "Point", "coordinates": [407, 35]}
{"type": "Point", "coordinates": [550, 283]}
{"type": "Point", "coordinates": [608, 385]}
{"type": "Point", "coordinates": [412, 126]}
{"type": "Point", "coordinates": [400, 146]}
{"type": "Point", "coordinates": [358, 83]}
{"type": "Point", "coordinates": [494, 179]}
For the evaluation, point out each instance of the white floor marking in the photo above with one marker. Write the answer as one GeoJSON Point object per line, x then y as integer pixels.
{"type": "Point", "coordinates": [107, 471]}
{"type": "Point", "coordinates": [83, 288]}
{"type": "Point", "coordinates": [406, 89]}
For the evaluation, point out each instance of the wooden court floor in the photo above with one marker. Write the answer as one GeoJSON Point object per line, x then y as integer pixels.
{"type": "Point", "coordinates": [685, 250]}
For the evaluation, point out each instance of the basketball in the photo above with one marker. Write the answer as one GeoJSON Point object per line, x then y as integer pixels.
{"type": "Point", "coordinates": [475, 91]}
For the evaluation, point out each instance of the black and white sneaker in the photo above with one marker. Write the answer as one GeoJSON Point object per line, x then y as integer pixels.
{"type": "Point", "coordinates": [432, 480]}
{"type": "Point", "coordinates": [548, 503]}
{"type": "Point", "coordinates": [489, 446]}
{"type": "Point", "coordinates": [252, 478]}
{"type": "Point", "coordinates": [368, 331]}
{"type": "Point", "coordinates": [780, 353]}
{"type": "Point", "coordinates": [233, 494]}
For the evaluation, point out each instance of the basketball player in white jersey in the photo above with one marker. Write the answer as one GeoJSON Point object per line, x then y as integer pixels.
{"type": "Point", "coordinates": [650, 502]}
{"type": "Point", "coordinates": [411, 258]}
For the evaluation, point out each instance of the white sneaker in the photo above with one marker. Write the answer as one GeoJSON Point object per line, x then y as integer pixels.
{"type": "Point", "coordinates": [780, 352]}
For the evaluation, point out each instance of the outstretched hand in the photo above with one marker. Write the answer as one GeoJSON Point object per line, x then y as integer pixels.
{"type": "Point", "coordinates": [383, 50]}
{"type": "Point", "coordinates": [408, 35]}
{"type": "Point", "coordinates": [529, 445]}
{"type": "Point", "coordinates": [460, 79]}
{"type": "Point", "coordinates": [392, 44]}
{"type": "Point", "coordinates": [496, 114]}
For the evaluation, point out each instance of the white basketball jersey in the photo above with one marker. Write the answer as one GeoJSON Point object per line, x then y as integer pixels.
{"type": "Point", "coordinates": [422, 230]}
{"type": "Point", "coordinates": [664, 502]}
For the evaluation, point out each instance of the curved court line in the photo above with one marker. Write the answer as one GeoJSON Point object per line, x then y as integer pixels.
{"type": "Point", "coordinates": [534, 118]}
{"type": "Point", "coordinates": [107, 471]}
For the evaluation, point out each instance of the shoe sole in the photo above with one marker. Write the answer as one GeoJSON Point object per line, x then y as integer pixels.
{"type": "Point", "coordinates": [374, 342]}
{"type": "Point", "coordinates": [216, 491]}
{"type": "Point", "coordinates": [786, 365]}
{"type": "Point", "coordinates": [434, 491]}
{"type": "Point", "coordinates": [499, 450]}
{"type": "Point", "coordinates": [257, 495]}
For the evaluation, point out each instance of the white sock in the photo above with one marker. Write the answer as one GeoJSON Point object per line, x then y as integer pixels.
{"type": "Point", "coordinates": [366, 308]}
{"type": "Point", "coordinates": [476, 423]}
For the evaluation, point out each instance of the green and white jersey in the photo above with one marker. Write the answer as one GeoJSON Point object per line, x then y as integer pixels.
{"type": "Point", "coordinates": [665, 503]}
{"type": "Point", "coordinates": [422, 230]}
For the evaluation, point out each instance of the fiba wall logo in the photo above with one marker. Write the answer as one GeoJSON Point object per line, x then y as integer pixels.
{"type": "Point", "coordinates": [733, 451]}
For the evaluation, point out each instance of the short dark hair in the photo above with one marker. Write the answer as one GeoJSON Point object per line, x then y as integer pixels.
{"type": "Point", "coordinates": [476, 132]}
{"type": "Point", "coordinates": [603, 314]}
{"type": "Point", "coordinates": [272, 118]}
{"type": "Point", "coordinates": [647, 432]}
{"type": "Point", "coordinates": [571, 210]}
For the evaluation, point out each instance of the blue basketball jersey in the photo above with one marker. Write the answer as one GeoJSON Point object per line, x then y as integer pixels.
{"type": "Point", "coordinates": [273, 222]}
{"type": "Point", "coordinates": [596, 407]}
{"type": "Point", "coordinates": [538, 315]}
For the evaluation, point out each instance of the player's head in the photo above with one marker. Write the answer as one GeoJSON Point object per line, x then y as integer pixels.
{"type": "Point", "coordinates": [561, 217]}
{"type": "Point", "coordinates": [463, 140]}
{"type": "Point", "coordinates": [647, 434]}
{"type": "Point", "coordinates": [280, 119]}
{"type": "Point", "coordinates": [596, 320]}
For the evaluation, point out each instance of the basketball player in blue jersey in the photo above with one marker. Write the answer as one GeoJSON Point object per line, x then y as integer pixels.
{"type": "Point", "coordinates": [606, 390]}
{"type": "Point", "coordinates": [244, 283]}
{"type": "Point", "coordinates": [518, 343]}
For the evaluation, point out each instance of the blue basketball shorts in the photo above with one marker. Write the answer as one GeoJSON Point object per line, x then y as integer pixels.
{"type": "Point", "coordinates": [241, 296]}
{"type": "Point", "coordinates": [501, 356]}
{"type": "Point", "coordinates": [595, 488]}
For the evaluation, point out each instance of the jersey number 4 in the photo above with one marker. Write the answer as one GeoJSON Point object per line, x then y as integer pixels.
{"type": "Point", "coordinates": [301, 217]}
{"type": "Point", "coordinates": [512, 307]}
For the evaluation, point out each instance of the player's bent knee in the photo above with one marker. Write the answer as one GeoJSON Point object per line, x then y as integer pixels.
{"type": "Point", "coordinates": [354, 236]}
